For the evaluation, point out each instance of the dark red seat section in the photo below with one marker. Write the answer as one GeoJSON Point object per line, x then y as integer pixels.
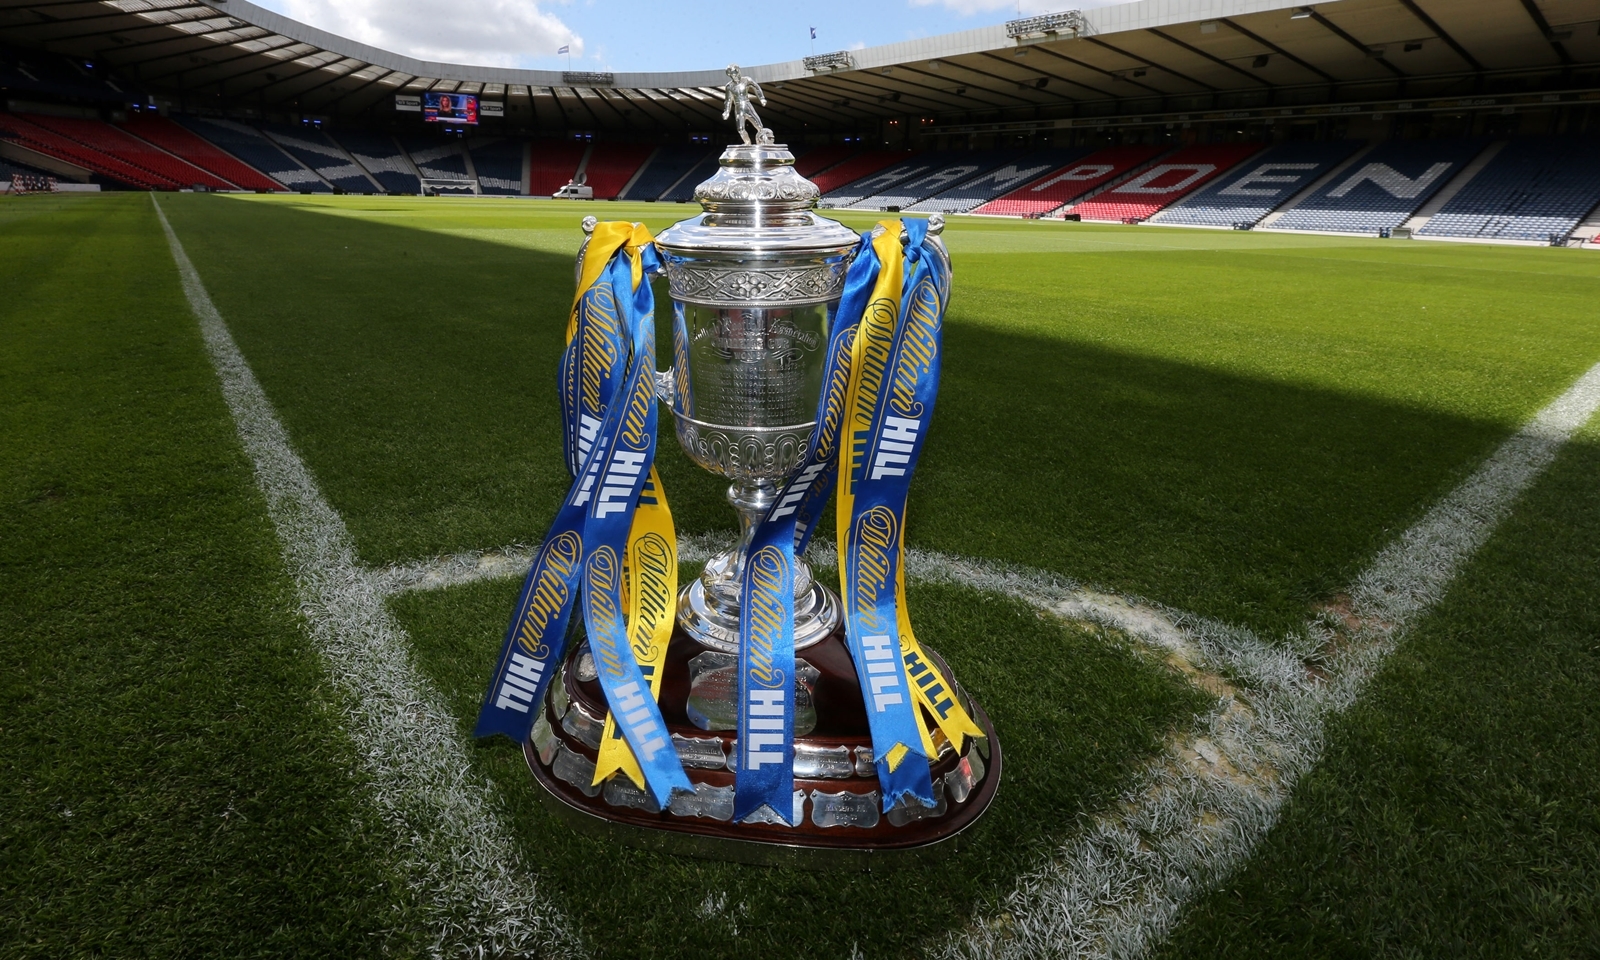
{"type": "Point", "coordinates": [612, 165]}
{"type": "Point", "coordinates": [107, 140]}
{"type": "Point", "coordinates": [175, 139]}
{"type": "Point", "coordinates": [821, 158]}
{"type": "Point", "coordinates": [552, 165]}
{"type": "Point", "coordinates": [49, 142]}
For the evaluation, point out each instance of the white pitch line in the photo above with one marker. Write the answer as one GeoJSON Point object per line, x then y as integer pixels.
{"type": "Point", "coordinates": [1198, 812]}
{"type": "Point", "coordinates": [465, 876]}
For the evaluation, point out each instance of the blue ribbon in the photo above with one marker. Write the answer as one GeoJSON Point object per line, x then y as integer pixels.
{"type": "Point", "coordinates": [612, 442]}
{"type": "Point", "coordinates": [764, 766]}
{"type": "Point", "coordinates": [880, 481]}
{"type": "Point", "coordinates": [627, 448]}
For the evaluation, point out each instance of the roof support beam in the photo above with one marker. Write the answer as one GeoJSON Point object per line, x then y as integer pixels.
{"type": "Point", "coordinates": [1439, 32]}
{"type": "Point", "coordinates": [1105, 73]}
{"type": "Point", "coordinates": [1345, 35]}
{"type": "Point", "coordinates": [1278, 50]}
{"type": "Point", "coordinates": [1214, 59]}
{"type": "Point", "coordinates": [1056, 76]}
{"type": "Point", "coordinates": [952, 65]}
{"type": "Point", "coordinates": [1154, 66]}
{"type": "Point", "coordinates": [1544, 28]}
{"type": "Point", "coordinates": [940, 94]}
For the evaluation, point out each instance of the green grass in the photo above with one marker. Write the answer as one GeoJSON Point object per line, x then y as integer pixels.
{"type": "Point", "coordinates": [1230, 423]}
{"type": "Point", "coordinates": [1092, 708]}
{"type": "Point", "coordinates": [1227, 422]}
{"type": "Point", "coordinates": [174, 780]}
{"type": "Point", "coordinates": [1457, 813]}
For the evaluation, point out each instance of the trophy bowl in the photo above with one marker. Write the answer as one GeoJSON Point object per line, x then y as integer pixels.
{"type": "Point", "coordinates": [755, 281]}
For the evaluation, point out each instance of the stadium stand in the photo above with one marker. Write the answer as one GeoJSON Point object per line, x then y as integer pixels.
{"type": "Point", "coordinates": [498, 164]}
{"type": "Point", "coordinates": [1071, 181]}
{"type": "Point", "coordinates": [1251, 191]}
{"type": "Point", "coordinates": [815, 161]}
{"type": "Point", "coordinates": [914, 167]}
{"type": "Point", "coordinates": [1382, 189]}
{"type": "Point", "coordinates": [665, 169]}
{"type": "Point", "coordinates": [108, 141]}
{"type": "Point", "coordinates": [552, 164]}
{"type": "Point", "coordinates": [612, 165]}
{"type": "Point", "coordinates": [684, 188]}
{"type": "Point", "coordinates": [382, 158]}
{"type": "Point", "coordinates": [20, 130]}
{"type": "Point", "coordinates": [248, 144]}
{"type": "Point", "coordinates": [175, 139]}
{"type": "Point", "coordinates": [1538, 188]}
{"type": "Point", "coordinates": [956, 168]}
{"type": "Point", "coordinates": [437, 159]}
{"type": "Point", "coordinates": [1164, 182]}
{"type": "Point", "coordinates": [312, 148]}
{"type": "Point", "coordinates": [1002, 178]}
{"type": "Point", "coordinates": [857, 167]}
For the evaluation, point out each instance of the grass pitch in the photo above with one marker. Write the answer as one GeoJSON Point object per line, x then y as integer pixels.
{"type": "Point", "coordinates": [1226, 423]}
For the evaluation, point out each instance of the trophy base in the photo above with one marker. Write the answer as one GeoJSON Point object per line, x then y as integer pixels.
{"type": "Point", "coordinates": [837, 802]}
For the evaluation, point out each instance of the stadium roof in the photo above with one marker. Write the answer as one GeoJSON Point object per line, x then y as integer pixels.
{"type": "Point", "coordinates": [1146, 56]}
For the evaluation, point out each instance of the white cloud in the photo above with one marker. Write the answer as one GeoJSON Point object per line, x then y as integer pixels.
{"type": "Point", "coordinates": [1027, 7]}
{"type": "Point", "coordinates": [501, 33]}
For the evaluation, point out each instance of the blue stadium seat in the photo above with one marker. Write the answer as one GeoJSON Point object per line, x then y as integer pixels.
{"type": "Point", "coordinates": [1000, 179]}
{"type": "Point", "coordinates": [436, 158]}
{"type": "Point", "coordinates": [1382, 189]}
{"type": "Point", "coordinates": [312, 147]}
{"type": "Point", "coordinates": [248, 144]}
{"type": "Point", "coordinates": [697, 174]}
{"type": "Point", "coordinates": [499, 165]}
{"type": "Point", "coordinates": [1252, 189]}
{"type": "Point", "coordinates": [1533, 189]}
{"type": "Point", "coordinates": [913, 167]}
{"type": "Point", "coordinates": [956, 168]}
{"type": "Point", "coordinates": [666, 168]}
{"type": "Point", "coordinates": [382, 158]}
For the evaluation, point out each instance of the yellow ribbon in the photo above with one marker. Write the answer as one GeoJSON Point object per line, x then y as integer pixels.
{"type": "Point", "coordinates": [868, 366]}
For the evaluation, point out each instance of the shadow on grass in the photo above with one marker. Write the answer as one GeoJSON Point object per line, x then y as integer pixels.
{"type": "Point", "coordinates": [415, 373]}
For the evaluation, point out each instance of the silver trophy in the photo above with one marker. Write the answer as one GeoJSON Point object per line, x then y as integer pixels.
{"type": "Point", "coordinates": [758, 276]}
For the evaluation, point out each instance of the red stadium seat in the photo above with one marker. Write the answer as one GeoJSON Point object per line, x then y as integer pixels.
{"type": "Point", "coordinates": [53, 144]}
{"type": "Point", "coordinates": [1173, 178]}
{"type": "Point", "coordinates": [174, 139]}
{"type": "Point", "coordinates": [612, 165]}
{"type": "Point", "coordinates": [172, 172]}
{"type": "Point", "coordinates": [1058, 187]}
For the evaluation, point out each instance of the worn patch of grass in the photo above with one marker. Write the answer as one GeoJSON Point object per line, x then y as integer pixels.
{"type": "Point", "coordinates": [1087, 711]}
{"type": "Point", "coordinates": [173, 776]}
{"type": "Point", "coordinates": [1457, 812]}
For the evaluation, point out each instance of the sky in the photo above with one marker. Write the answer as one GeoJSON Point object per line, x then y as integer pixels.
{"type": "Point", "coordinates": [638, 35]}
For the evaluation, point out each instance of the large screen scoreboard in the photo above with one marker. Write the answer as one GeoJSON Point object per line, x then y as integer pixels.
{"type": "Point", "coordinates": [450, 108]}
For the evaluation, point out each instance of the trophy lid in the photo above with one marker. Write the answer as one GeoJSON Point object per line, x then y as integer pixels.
{"type": "Point", "coordinates": [756, 202]}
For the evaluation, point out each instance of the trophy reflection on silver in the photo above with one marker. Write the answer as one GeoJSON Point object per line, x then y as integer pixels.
{"type": "Point", "coordinates": [757, 278]}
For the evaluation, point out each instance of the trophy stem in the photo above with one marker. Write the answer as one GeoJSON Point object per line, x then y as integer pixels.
{"type": "Point", "coordinates": [750, 499]}
{"type": "Point", "coordinates": [708, 608]}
